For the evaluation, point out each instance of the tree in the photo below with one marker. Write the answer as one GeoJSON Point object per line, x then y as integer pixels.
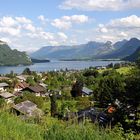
{"type": "Point", "coordinates": [53, 105]}
{"type": "Point", "coordinates": [30, 81]}
{"type": "Point", "coordinates": [110, 88]}
{"type": "Point", "coordinates": [133, 88]}
{"type": "Point", "coordinates": [83, 102]}
{"type": "Point", "coordinates": [91, 72]}
{"type": "Point", "coordinates": [77, 89]}
{"type": "Point", "coordinates": [27, 71]}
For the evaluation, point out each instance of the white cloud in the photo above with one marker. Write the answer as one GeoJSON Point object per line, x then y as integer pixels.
{"type": "Point", "coordinates": [30, 27]}
{"type": "Point", "coordinates": [22, 34]}
{"type": "Point", "coordinates": [79, 18]}
{"type": "Point", "coordinates": [43, 19]}
{"type": "Point", "coordinates": [62, 36]}
{"type": "Point", "coordinates": [131, 21]}
{"type": "Point", "coordinates": [100, 5]}
{"type": "Point", "coordinates": [66, 22]}
{"type": "Point", "coordinates": [104, 30]}
{"type": "Point", "coordinates": [61, 24]}
{"type": "Point", "coordinates": [23, 20]}
{"type": "Point", "coordinates": [7, 22]}
{"type": "Point", "coordinates": [10, 31]}
{"type": "Point", "coordinates": [120, 28]}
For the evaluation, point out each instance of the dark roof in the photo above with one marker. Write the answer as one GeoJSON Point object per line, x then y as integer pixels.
{"type": "Point", "coordinates": [87, 91]}
{"type": "Point", "coordinates": [36, 88]}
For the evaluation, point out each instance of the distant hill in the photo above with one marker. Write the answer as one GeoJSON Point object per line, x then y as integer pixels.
{"type": "Point", "coordinates": [83, 51]}
{"type": "Point", "coordinates": [127, 48]}
{"type": "Point", "coordinates": [133, 57]}
{"type": "Point", "coordinates": [12, 57]}
{"type": "Point", "coordinates": [39, 61]}
{"type": "Point", "coordinates": [91, 50]}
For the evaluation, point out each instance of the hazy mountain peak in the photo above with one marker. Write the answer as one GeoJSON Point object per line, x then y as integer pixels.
{"type": "Point", "coordinates": [108, 43]}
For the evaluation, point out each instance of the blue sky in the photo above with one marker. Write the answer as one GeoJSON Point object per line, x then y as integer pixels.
{"type": "Point", "coordinates": [30, 24]}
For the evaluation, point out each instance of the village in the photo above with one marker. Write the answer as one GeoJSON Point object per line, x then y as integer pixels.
{"type": "Point", "coordinates": [14, 87]}
{"type": "Point", "coordinates": [65, 95]}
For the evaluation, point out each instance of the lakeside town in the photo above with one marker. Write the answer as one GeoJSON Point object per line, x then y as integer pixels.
{"type": "Point", "coordinates": [97, 95]}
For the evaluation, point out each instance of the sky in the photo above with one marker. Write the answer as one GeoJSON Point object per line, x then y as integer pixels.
{"type": "Point", "coordinates": [28, 25]}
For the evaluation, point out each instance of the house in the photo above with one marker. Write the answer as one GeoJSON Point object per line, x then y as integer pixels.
{"type": "Point", "coordinates": [3, 86]}
{"type": "Point", "coordinates": [20, 86]}
{"type": "Point", "coordinates": [9, 98]}
{"type": "Point", "coordinates": [43, 85]}
{"type": "Point", "coordinates": [22, 78]}
{"type": "Point", "coordinates": [86, 91]}
{"type": "Point", "coordinates": [100, 67]}
{"type": "Point", "coordinates": [27, 108]}
{"type": "Point", "coordinates": [4, 78]}
{"type": "Point", "coordinates": [38, 90]}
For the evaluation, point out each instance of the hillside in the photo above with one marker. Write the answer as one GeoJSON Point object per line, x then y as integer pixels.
{"type": "Point", "coordinates": [134, 56]}
{"type": "Point", "coordinates": [12, 57]}
{"type": "Point", "coordinates": [91, 50]}
{"type": "Point", "coordinates": [12, 128]}
{"type": "Point", "coordinates": [126, 49]}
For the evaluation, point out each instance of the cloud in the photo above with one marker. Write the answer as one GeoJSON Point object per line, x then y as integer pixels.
{"type": "Point", "coordinates": [10, 31]}
{"type": "Point", "coordinates": [62, 36]}
{"type": "Point", "coordinates": [23, 20]}
{"type": "Point", "coordinates": [22, 34]}
{"type": "Point", "coordinates": [100, 5]}
{"type": "Point", "coordinates": [132, 21]}
{"type": "Point", "coordinates": [43, 19]}
{"type": "Point", "coordinates": [7, 22]}
{"type": "Point", "coordinates": [61, 24]}
{"type": "Point", "coordinates": [120, 28]}
{"type": "Point", "coordinates": [13, 25]}
{"type": "Point", "coordinates": [66, 22]}
{"type": "Point", "coordinates": [30, 27]}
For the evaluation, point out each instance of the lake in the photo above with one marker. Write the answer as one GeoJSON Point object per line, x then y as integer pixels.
{"type": "Point", "coordinates": [55, 65]}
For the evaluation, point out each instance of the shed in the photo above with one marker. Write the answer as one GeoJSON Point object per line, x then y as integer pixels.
{"type": "Point", "coordinates": [86, 91]}
{"type": "Point", "coordinates": [7, 96]}
{"type": "Point", "coordinates": [27, 108]}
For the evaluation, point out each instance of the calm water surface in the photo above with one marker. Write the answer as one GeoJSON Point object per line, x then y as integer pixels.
{"type": "Point", "coordinates": [55, 65]}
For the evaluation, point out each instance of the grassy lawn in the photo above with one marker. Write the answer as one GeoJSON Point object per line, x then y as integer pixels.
{"type": "Point", "coordinates": [122, 70]}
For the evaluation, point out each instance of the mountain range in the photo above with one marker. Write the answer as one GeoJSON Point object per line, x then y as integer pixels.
{"type": "Point", "coordinates": [90, 50]}
{"type": "Point", "coordinates": [125, 50]}
{"type": "Point", "coordinates": [12, 57]}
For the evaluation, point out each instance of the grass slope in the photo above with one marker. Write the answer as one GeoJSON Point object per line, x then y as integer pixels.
{"type": "Point", "coordinates": [12, 128]}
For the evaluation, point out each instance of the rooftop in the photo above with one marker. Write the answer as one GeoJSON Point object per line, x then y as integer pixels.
{"type": "Point", "coordinates": [6, 95]}
{"type": "Point", "coordinates": [36, 88]}
{"type": "Point", "coordinates": [25, 107]}
{"type": "Point", "coordinates": [87, 91]}
{"type": "Point", "coordinates": [4, 85]}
